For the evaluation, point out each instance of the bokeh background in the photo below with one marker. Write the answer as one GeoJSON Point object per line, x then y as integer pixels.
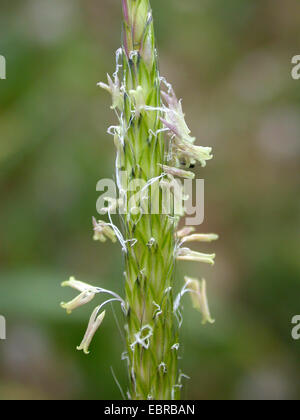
{"type": "Point", "coordinates": [231, 62]}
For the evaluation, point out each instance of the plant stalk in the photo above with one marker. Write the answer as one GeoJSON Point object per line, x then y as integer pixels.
{"type": "Point", "coordinates": [150, 262]}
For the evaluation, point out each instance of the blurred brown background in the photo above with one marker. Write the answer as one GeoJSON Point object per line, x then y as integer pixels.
{"type": "Point", "coordinates": [231, 62]}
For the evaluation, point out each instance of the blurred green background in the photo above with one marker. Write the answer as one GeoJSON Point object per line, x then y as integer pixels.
{"type": "Point", "coordinates": [231, 61]}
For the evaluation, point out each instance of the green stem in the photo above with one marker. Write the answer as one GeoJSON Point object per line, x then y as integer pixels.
{"type": "Point", "coordinates": [150, 262]}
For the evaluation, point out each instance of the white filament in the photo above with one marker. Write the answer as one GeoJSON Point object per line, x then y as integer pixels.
{"type": "Point", "coordinates": [143, 341]}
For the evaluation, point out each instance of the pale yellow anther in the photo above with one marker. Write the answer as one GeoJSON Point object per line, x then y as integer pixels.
{"type": "Point", "coordinates": [186, 254]}
{"type": "Point", "coordinates": [94, 324]}
{"type": "Point", "coordinates": [78, 285]}
{"type": "Point", "coordinates": [82, 299]}
{"type": "Point", "coordinates": [198, 237]}
{"type": "Point", "coordinates": [199, 298]}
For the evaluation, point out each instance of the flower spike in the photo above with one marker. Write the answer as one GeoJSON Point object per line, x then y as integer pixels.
{"type": "Point", "coordinates": [154, 147]}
